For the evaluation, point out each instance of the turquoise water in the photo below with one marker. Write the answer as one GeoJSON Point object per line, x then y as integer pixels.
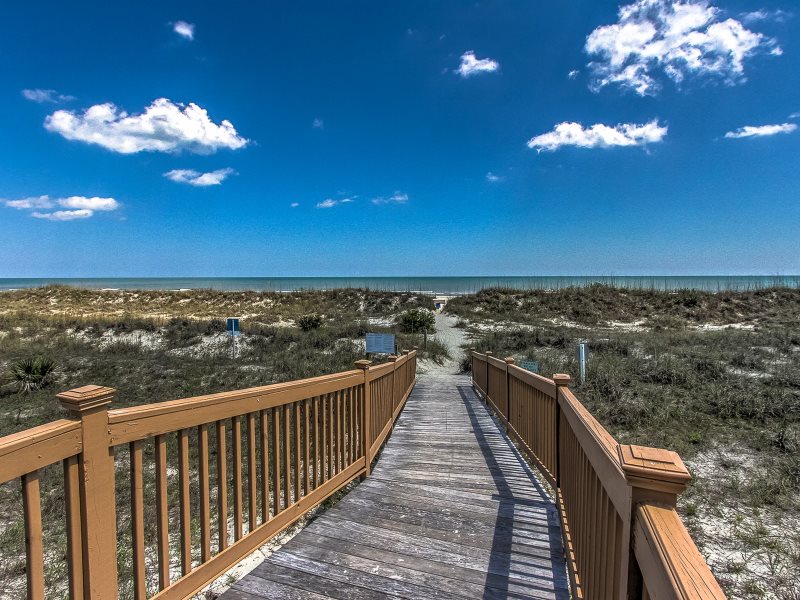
{"type": "Point", "coordinates": [435, 285]}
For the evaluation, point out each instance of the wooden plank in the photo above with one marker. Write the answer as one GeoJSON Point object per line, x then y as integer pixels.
{"type": "Point", "coordinates": [306, 447]}
{"type": "Point", "coordinates": [205, 494]}
{"type": "Point", "coordinates": [137, 523]}
{"type": "Point", "coordinates": [34, 551]}
{"type": "Point", "coordinates": [185, 511]}
{"type": "Point", "coordinates": [139, 422]}
{"type": "Point", "coordinates": [264, 466]}
{"type": "Point", "coordinates": [287, 458]}
{"type": "Point", "coordinates": [297, 451]}
{"type": "Point", "coordinates": [252, 483]}
{"type": "Point", "coordinates": [222, 486]}
{"type": "Point", "coordinates": [162, 512]}
{"type": "Point", "coordinates": [276, 460]}
{"type": "Point", "coordinates": [236, 449]}
{"type": "Point", "coordinates": [32, 449]}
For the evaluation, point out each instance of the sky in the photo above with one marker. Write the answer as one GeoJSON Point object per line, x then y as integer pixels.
{"type": "Point", "coordinates": [399, 138]}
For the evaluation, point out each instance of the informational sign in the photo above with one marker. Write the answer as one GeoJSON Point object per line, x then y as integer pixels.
{"type": "Point", "coordinates": [380, 343]}
{"type": "Point", "coordinates": [529, 365]}
{"type": "Point", "coordinates": [233, 326]}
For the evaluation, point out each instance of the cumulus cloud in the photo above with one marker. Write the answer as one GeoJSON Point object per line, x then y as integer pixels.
{"type": "Point", "coordinates": [573, 74]}
{"type": "Point", "coordinates": [396, 198]}
{"type": "Point", "coordinates": [184, 29]}
{"type": "Point", "coordinates": [330, 202]}
{"type": "Point", "coordinates": [45, 96]}
{"type": "Point", "coordinates": [196, 178]}
{"type": "Point", "coordinates": [760, 130]}
{"type": "Point", "coordinates": [164, 126]}
{"type": "Point", "coordinates": [470, 65]}
{"type": "Point", "coordinates": [599, 136]}
{"type": "Point", "coordinates": [678, 38]}
{"type": "Point", "coordinates": [80, 207]}
{"type": "Point", "coordinates": [492, 177]}
{"type": "Point", "coordinates": [318, 124]}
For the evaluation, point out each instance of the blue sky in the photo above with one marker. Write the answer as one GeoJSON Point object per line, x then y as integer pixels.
{"type": "Point", "coordinates": [413, 138]}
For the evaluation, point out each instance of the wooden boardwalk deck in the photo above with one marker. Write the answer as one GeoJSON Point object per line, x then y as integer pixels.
{"type": "Point", "coordinates": [450, 511]}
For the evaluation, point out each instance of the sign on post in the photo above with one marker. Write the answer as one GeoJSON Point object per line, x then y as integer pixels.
{"type": "Point", "coordinates": [233, 326]}
{"type": "Point", "coordinates": [530, 365]}
{"type": "Point", "coordinates": [380, 343]}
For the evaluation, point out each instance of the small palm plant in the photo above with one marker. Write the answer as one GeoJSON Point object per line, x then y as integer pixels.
{"type": "Point", "coordinates": [30, 374]}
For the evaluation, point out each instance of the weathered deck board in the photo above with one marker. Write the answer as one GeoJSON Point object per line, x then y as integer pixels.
{"type": "Point", "coordinates": [450, 511]}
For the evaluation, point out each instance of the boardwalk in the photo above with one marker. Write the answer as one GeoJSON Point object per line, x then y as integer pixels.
{"type": "Point", "coordinates": [450, 511]}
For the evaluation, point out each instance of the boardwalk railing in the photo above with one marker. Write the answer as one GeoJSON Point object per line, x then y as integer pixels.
{"type": "Point", "coordinates": [291, 446]}
{"type": "Point", "coordinates": [622, 535]}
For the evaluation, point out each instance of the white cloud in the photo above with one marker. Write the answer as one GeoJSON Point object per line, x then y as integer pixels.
{"type": "Point", "coordinates": [197, 178]}
{"type": "Point", "coordinates": [470, 65]}
{"type": "Point", "coordinates": [45, 96]}
{"type": "Point", "coordinates": [396, 198]}
{"type": "Point", "coordinates": [164, 126]}
{"type": "Point", "coordinates": [318, 124]}
{"type": "Point", "coordinates": [184, 29]}
{"type": "Point", "coordinates": [294, 204]}
{"type": "Point", "coordinates": [677, 37]}
{"type": "Point", "coordinates": [779, 16]}
{"type": "Point", "coordinates": [795, 115]}
{"type": "Point", "coordinates": [573, 74]}
{"type": "Point", "coordinates": [599, 136]}
{"type": "Point", "coordinates": [82, 207]}
{"type": "Point", "coordinates": [492, 177]}
{"type": "Point", "coordinates": [330, 202]}
{"type": "Point", "coordinates": [29, 203]}
{"type": "Point", "coordinates": [760, 130]}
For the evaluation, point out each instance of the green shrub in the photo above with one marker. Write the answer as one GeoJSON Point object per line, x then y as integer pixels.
{"type": "Point", "coordinates": [309, 322]}
{"type": "Point", "coordinates": [416, 320]}
{"type": "Point", "coordinates": [31, 374]}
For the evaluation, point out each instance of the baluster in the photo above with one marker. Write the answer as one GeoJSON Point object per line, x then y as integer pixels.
{"type": "Point", "coordinates": [222, 486]}
{"type": "Point", "coordinates": [306, 453]}
{"type": "Point", "coordinates": [276, 460]}
{"type": "Point", "coordinates": [34, 553]}
{"type": "Point", "coordinates": [162, 515]}
{"type": "Point", "coordinates": [205, 507]}
{"type": "Point", "coordinates": [236, 447]}
{"type": "Point", "coordinates": [72, 500]}
{"type": "Point", "coordinates": [252, 484]}
{"type": "Point", "coordinates": [264, 467]}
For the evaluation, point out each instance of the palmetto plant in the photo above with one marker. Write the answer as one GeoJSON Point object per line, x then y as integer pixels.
{"type": "Point", "coordinates": [30, 374]}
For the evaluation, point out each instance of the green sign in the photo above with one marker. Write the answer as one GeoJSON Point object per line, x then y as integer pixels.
{"type": "Point", "coordinates": [530, 365]}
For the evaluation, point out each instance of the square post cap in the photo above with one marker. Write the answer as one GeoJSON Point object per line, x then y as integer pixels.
{"type": "Point", "coordinates": [509, 360]}
{"type": "Point", "coordinates": [363, 364]}
{"type": "Point", "coordinates": [561, 379]}
{"type": "Point", "coordinates": [654, 469]}
{"type": "Point", "coordinates": [391, 358]}
{"type": "Point", "coordinates": [86, 398]}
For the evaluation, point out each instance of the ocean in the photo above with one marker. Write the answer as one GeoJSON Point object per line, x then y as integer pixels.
{"type": "Point", "coordinates": [430, 285]}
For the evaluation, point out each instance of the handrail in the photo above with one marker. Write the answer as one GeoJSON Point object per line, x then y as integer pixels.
{"type": "Point", "coordinates": [291, 446]}
{"type": "Point", "coordinates": [622, 535]}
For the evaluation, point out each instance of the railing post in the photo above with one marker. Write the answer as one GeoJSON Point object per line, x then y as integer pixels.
{"type": "Point", "coordinates": [393, 359]}
{"type": "Point", "coordinates": [656, 476]}
{"type": "Point", "coordinates": [488, 370]}
{"type": "Point", "coordinates": [89, 404]}
{"type": "Point", "coordinates": [562, 381]}
{"type": "Point", "coordinates": [366, 418]}
{"type": "Point", "coordinates": [509, 361]}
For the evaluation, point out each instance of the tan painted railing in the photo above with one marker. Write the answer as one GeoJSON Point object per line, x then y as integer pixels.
{"type": "Point", "coordinates": [622, 535]}
{"type": "Point", "coordinates": [291, 445]}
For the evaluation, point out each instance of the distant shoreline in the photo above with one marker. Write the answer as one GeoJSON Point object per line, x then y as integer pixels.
{"type": "Point", "coordinates": [423, 285]}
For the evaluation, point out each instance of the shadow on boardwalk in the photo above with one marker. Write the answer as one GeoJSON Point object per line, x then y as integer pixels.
{"type": "Point", "coordinates": [450, 511]}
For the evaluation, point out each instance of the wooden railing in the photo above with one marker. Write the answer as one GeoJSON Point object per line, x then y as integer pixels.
{"type": "Point", "coordinates": [291, 446]}
{"type": "Point", "coordinates": [622, 535]}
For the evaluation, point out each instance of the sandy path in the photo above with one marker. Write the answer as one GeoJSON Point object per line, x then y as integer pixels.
{"type": "Point", "coordinates": [452, 337]}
